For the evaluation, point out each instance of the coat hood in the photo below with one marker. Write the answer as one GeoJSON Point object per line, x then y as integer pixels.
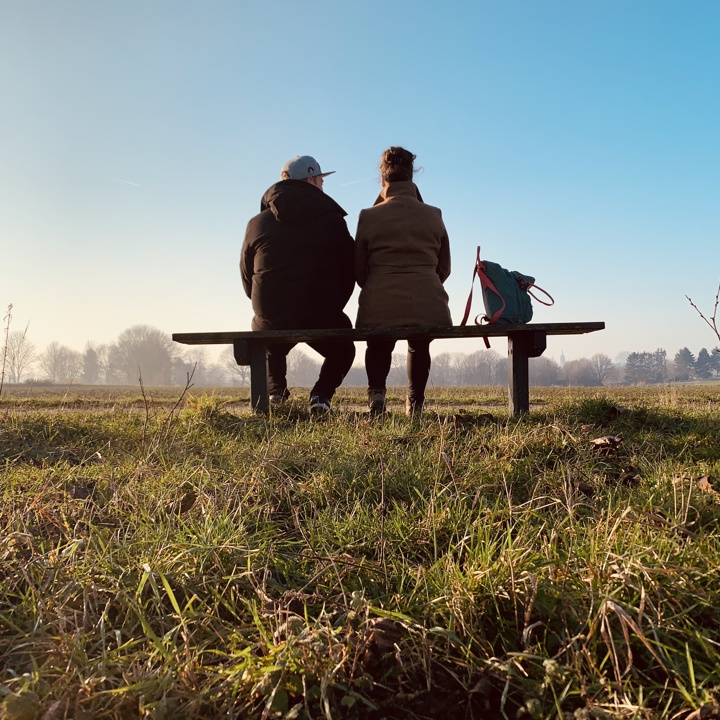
{"type": "Point", "coordinates": [296, 202]}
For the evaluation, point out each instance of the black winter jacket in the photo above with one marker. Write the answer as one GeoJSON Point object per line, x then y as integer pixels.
{"type": "Point", "coordinates": [297, 260]}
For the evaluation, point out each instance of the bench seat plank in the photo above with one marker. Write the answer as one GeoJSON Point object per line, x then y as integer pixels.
{"type": "Point", "coordinates": [524, 342]}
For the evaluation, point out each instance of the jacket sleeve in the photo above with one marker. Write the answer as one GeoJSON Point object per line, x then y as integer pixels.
{"type": "Point", "coordinates": [443, 266]}
{"type": "Point", "coordinates": [247, 262]}
{"type": "Point", "coordinates": [361, 253]}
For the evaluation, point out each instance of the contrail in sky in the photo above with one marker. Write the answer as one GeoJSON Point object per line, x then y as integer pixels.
{"type": "Point", "coordinates": [127, 182]}
{"type": "Point", "coordinates": [355, 182]}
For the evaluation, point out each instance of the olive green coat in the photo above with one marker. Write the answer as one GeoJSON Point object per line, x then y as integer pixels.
{"type": "Point", "coordinates": [402, 259]}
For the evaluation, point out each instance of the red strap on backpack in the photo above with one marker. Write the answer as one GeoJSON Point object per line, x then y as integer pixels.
{"type": "Point", "coordinates": [485, 282]}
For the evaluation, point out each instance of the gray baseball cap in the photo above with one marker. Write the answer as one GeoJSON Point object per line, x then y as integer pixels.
{"type": "Point", "coordinates": [301, 168]}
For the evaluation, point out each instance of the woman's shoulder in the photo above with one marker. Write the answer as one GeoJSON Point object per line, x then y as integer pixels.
{"type": "Point", "coordinates": [433, 209]}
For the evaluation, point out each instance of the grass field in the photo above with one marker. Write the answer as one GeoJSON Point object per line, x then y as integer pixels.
{"type": "Point", "coordinates": [166, 556]}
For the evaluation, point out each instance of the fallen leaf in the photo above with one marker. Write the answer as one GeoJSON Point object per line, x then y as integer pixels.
{"type": "Point", "coordinates": [706, 712]}
{"type": "Point", "coordinates": [178, 507]}
{"type": "Point", "coordinates": [384, 633]}
{"type": "Point", "coordinates": [585, 489]}
{"type": "Point", "coordinates": [606, 444]}
{"type": "Point", "coordinates": [630, 476]}
{"type": "Point", "coordinates": [291, 602]}
{"type": "Point", "coordinates": [468, 419]}
{"type": "Point", "coordinates": [614, 411]}
{"type": "Point", "coordinates": [83, 489]}
{"type": "Point", "coordinates": [56, 711]}
{"type": "Point", "coordinates": [705, 484]}
{"type": "Point", "coordinates": [607, 441]}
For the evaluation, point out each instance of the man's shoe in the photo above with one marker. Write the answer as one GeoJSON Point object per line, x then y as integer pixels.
{"type": "Point", "coordinates": [413, 408]}
{"type": "Point", "coordinates": [277, 399]}
{"type": "Point", "coordinates": [319, 405]}
{"type": "Point", "coordinates": [376, 401]}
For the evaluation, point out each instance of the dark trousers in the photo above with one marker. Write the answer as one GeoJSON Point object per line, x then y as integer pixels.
{"type": "Point", "coordinates": [338, 356]}
{"type": "Point", "coordinates": [378, 358]}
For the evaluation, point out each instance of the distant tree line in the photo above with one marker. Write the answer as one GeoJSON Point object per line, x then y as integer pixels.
{"type": "Point", "coordinates": [144, 353]}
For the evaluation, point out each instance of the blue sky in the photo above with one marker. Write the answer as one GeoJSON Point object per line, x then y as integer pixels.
{"type": "Point", "coordinates": [578, 142]}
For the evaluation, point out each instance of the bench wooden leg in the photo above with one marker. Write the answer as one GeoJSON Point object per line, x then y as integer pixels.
{"type": "Point", "coordinates": [521, 347]}
{"type": "Point", "coordinates": [254, 354]}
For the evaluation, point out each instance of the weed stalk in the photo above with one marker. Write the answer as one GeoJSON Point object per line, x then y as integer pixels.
{"type": "Point", "coordinates": [6, 332]}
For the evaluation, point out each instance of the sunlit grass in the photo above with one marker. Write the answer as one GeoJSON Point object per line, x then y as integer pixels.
{"type": "Point", "coordinates": [199, 561]}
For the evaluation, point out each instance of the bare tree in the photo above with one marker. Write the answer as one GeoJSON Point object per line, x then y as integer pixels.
{"type": "Point", "coordinates": [441, 369]}
{"type": "Point", "coordinates": [193, 359]}
{"type": "Point", "coordinates": [544, 371]}
{"type": "Point", "coordinates": [237, 374]}
{"type": "Point", "coordinates": [145, 350]}
{"type": "Point", "coordinates": [483, 367]}
{"type": "Point", "coordinates": [469, 369]}
{"type": "Point", "coordinates": [20, 355]}
{"type": "Point", "coordinates": [602, 366]}
{"type": "Point", "coordinates": [214, 375]}
{"type": "Point", "coordinates": [60, 364]}
{"type": "Point", "coordinates": [457, 368]}
{"type": "Point", "coordinates": [580, 373]}
{"type": "Point", "coordinates": [398, 369]}
{"type": "Point", "coordinates": [302, 370]}
{"type": "Point", "coordinates": [205, 372]}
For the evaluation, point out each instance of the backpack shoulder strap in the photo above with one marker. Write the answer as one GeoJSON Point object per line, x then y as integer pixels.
{"type": "Point", "coordinates": [485, 282]}
{"type": "Point", "coordinates": [488, 284]}
{"type": "Point", "coordinates": [468, 304]}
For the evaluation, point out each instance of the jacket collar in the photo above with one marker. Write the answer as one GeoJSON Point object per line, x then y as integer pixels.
{"type": "Point", "coordinates": [396, 189]}
{"type": "Point", "coordinates": [296, 201]}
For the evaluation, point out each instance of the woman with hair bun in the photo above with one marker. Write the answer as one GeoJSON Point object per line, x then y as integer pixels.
{"type": "Point", "coordinates": [402, 259]}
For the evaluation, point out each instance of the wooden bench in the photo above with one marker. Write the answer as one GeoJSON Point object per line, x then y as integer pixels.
{"type": "Point", "coordinates": [524, 342]}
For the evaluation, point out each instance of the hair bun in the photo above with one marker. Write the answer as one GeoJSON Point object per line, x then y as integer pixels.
{"type": "Point", "coordinates": [396, 164]}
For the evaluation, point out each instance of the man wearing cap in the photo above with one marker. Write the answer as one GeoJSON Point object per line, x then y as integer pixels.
{"type": "Point", "coordinates": [297, 268]}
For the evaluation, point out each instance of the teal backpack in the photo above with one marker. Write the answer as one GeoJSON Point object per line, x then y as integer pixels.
{"type": "Point", "coordinates": [506, 295]}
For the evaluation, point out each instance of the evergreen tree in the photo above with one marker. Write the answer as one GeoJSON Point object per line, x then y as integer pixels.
{"type": "Point", "coordinates": [645, 368]}
{"type": "Point", "coordinates": [658, 366]}
{"type": "Point", "coordinates": [703, 365]}
{"type": "Point", "coordinates": [634, 369]}
{"type": "Point", "coordinates": [715, 361]}
{"type": "Point", "coordinates": [684, 364]}
{"type": "Point", "coordinates": [91, 366]}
